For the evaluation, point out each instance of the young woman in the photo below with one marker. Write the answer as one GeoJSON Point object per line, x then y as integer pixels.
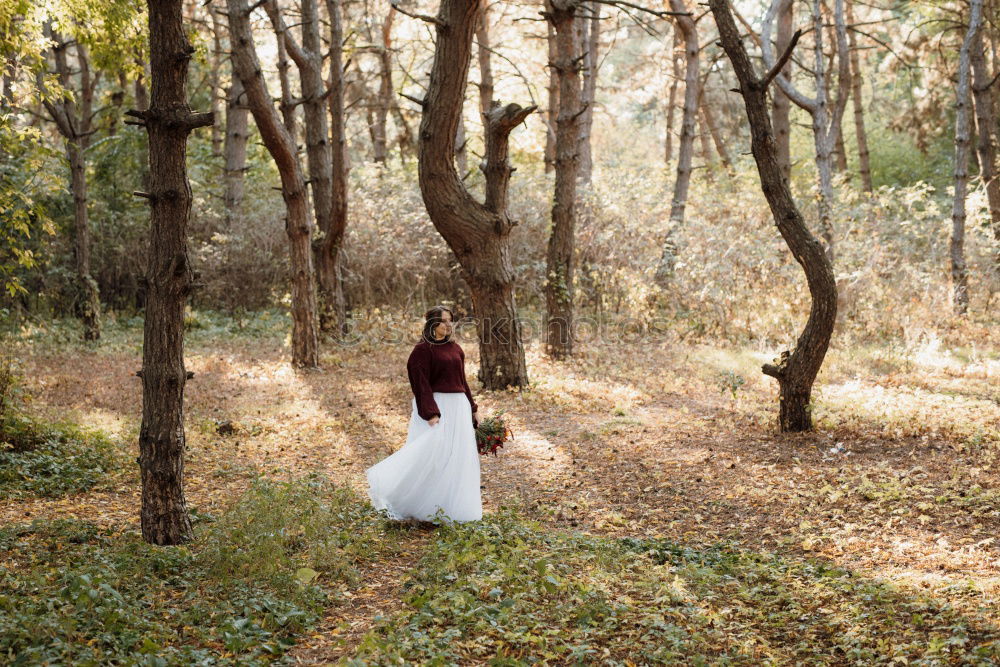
{"type": "Point", "coordinates": [437, 470]}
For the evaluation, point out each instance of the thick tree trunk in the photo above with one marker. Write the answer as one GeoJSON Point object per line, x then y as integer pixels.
{"type": "Point", "coordinates": [682, 181]}
{"type": "Point", "coordinates": [552, 113]}
{"type": "Point", "coordinates": [559, 257]}
{"type": "Point", "coordinates": [589, 93]}
{"type": "Point", "coordinates": [235, 149]}
{"type": "Point", "coordinates": [331, 284]}
{"type": "Point", "coordinates": [164, 514]}
{"type": "Point", "coordinates": [986, 122]}
{"type": "Point", "coordinates": [795, 371]}
{"type": "Point", "coordinates": [281, 145]}
{"type": "Point", "coordinates": [864, 162]}
{"type": "Point", "coordinates": [478, 234]}
{"type": "Point", "coordinates": [782, 105]}
{"type": "Point", "coordinates": [959, 271]}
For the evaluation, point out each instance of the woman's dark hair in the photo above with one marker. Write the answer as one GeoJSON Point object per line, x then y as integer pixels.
{"type": "Point", "coordinates": [432, 318]}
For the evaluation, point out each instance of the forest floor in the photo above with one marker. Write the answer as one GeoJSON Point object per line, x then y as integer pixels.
{"type": "Point", "coordinates": [661, 441]}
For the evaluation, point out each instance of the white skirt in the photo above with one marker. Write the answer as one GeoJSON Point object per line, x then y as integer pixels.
{"type": "Point", "coordinates": [436, 470]}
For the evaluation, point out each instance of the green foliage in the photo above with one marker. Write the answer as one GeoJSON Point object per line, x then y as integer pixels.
{"type": "Point", "coordinates": [40, 459]}
{"type": "Point", "coordinates": [23, 214]}
{"type": "Point", "coordinates": [506, 591]}
{"type": "Point", "coordinates": [84, 595]}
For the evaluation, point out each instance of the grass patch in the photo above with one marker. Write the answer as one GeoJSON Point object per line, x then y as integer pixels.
{"type": "Point", "coordinates": [72, 593]}
{"type": "Point", "coordinates": [504, 591]}
{"type": "Point", "coordinates": [39, 459]}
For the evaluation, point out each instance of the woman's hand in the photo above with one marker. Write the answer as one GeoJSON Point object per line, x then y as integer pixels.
{"type": "Point", "coordinates": [433, 420]}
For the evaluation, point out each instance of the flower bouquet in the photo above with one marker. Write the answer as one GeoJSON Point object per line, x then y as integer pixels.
{"type": "Point", "coordinates": [491, 433]}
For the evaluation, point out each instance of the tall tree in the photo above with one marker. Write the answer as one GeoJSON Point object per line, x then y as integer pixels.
{"type": "Point", "coordinates": [864, 161]}
{"type": "Point", "coordinates": [782, 105]}
{"type": "Point", "coordinates": [552, 112]}
{"type": "Point", "coordinates": [676, 57]}
{"type": "Point", "coordinates": [826, 121]}
{"type": "Point", "coordinates": [986, 127]}
{"type": "Point", "coordinates": [591, 62]}
{"type": "Point", "coordinates": [959, 271]}
{"type": "Point", "coordinates": [234, 150]}
{"type": "Point", "coordinates": [562, 15]}
{"type": "Point", "coordinates": [478, 234]}
{"type": "Point", "coordinates": [169, 278]}
{"type": "Point", "coordinates": [682, 181]}
{"type": "Point", "coordinates": [328, 266]}
{"type": "Point", "coordinates": [281, 145]}
{"type": "Point", "coordinates": [384, 101]}
{"type": "Point", "coordinates": [795, 371]}
{"type": "Point", "coordinates": [73, 114]}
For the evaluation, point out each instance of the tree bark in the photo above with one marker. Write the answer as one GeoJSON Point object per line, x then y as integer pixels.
{"type": "Point", "coordinates": [281, 145]}
{"type": "Point", "coordinates": [384, 100]}
{"type": "Point", "coordinates": [682, 181]}
{"type": "Point", "coordinates": [825, 121]}
{"type": "Point", "coordinates": [796, 370]}
{"type": "Point", "coordinates": [959, 271]}
{"type": "Point", "coordinates": [478, 234]}
{"type": "Point", "coordinates": [73, 121]}
{"type": "Point", "coordinates": [589, 93]}
{"type": "Point", "coordinates": [235, 150]}
{"type": "Point", "coordinates": [675, 79]}
{"type": "Point", "coordinates": [328, 267]}
{"type": "Point", "coordinates": [782, 104]}
{"type": "Point", "coordinates": [485, 64]}
{"type": "Point", "coordinates": [559, 256]}
{"type": "Point", "coordinates": [553, 103]}
{"type": "Point", "coordinates": [168, 121]}
{"type": "Point", "coordinates": [864, 162]}
{"type": "Point", "coordinates": [215, 80]}
{"type": "Point", "coordinates": [986, 122]}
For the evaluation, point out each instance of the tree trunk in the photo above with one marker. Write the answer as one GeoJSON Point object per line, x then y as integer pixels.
{"type": "Point", "coordinates": [720, 145]}
{"type": "Point", "coordinates": [782, 105]}
{"type": "Point", "coordinates": [864, 163]}
{"type": "Point", "coordinates": [73, 120]}
{"type": "Point", "coordinates": [215, 80]}
{"type": "Point", "coordinates": [281, 145]}
{"type": "Point", "coordinates": [986, 123]}
{"type": "Point", "coordinates": [553, 105]}
{"type": "Point", "coordinates": [686, 150]}
{"type": "Point", "coordinates": [559, 257]}
{"type": "Point", "coordinates": [795, 371]}
{"type": "Point", "coordinates": [331, 283]}
{"type": "Point", "coordinates": [675, 79]}
{"type": "Point", "coordinates": [589, 93]}
{"type": "Point", "coordinates": [478, 234]}
{"type": "Point", "coordinates": [235, 150]}
{"type": "Point", "coordinates": [485, 65]}
{"type": "Point", "coordinates": [384, 102]}
{"type": "Point", "coordinates": [959, 271]}
{"type": "Point", "coordinates": [164, 514]}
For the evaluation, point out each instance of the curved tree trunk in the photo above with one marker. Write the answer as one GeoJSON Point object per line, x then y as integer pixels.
{"type": "Point", "coordinates": [959, 271]}
{"type": "Point", "coordinates": [478, 234]}
{"type": "Point", "coordinates": [559, 257]}
{"type": "Point", "coordinates": [682, 182]}
{"type": "Point", "coordinates": [169, 279]}
{"type": "Point", "coordinates": [796, 370]}
{"type": "Point", "coordinates": [281, 145]}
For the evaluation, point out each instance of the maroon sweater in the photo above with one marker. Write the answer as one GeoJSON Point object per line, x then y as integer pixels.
{"type": "Point", "coordinates": [437, 367]}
